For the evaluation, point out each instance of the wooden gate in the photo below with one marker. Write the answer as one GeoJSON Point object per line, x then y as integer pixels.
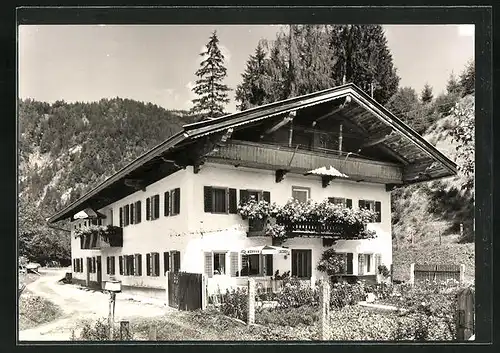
{"type": "Point", "coordinates": [465, 323]}
{"type": "Point", "coordinates": [185, 290]}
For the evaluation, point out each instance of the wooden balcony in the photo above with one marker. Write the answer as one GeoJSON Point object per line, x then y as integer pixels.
{"type": "Point", "coordinates": [299, 160]}
{"type": "Point", "coordinates": [99, 241]}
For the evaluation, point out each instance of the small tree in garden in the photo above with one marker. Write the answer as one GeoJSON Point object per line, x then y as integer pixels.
{"type": "Point", "coordinates": [332, 263]}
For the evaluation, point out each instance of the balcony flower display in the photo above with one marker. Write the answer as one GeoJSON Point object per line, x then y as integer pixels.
{"type": "Point", "coordinates": [311, 217]}
{"type": "Point", "coordinates": [110, 234]}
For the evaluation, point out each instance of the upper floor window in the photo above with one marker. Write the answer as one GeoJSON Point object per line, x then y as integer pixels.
{"type": "Point", "coordinates": [301, 194]}
{"type": "Point", "coordinates": [219, 199]}
{"type": "Point", "coordinates": [341, 201]}
{"type": "Point", "coordinates": [153, 207]}
{"type": "Point", "coordinates": [257, 195]}
{"type": "Point", "coordinates": [172, 202]}
{"type": "Point", "coordinates": [371, 205]}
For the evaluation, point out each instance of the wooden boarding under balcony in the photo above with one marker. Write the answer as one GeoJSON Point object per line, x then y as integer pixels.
{"type": "Point", "coordinates": [271, 157]}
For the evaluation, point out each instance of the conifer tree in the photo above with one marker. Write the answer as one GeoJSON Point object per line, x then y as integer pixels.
{"type": "Point", "coordinates": [426, 95]}
{"type": "Point", "coordinates": [452, 86]}
{"type": "Point", "coordinates": [468, 79]}
{"type": "Point", "coordinates": [212, 93]}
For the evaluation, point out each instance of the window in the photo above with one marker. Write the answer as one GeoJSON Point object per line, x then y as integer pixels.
{"type": "Point", "coordinates": [137, 212]}
{"type": "Point", "coordinates": [132, 213]}
{"type": "Point", "coordinates": [341, 201]}
{"type": "Point", "coordinates": [138, 265]}
{"type": "Point", "coordinates": [176, 261]}
{"type": "Point", "coordinates": [172, 202]}
{"type": "Point", "coordinates": [250, 265]}
{"type": "Point", "coordinates": [269, 265]}
{"type": "Point", "coordinates": [301, 263]}
{"type": "Point", "coordinates": [375, 206]}
{"type": "Point", "coordinates": [219, 200]}
{"type": "Point", "coordinates": [257, 195]}
{"type": "Point", "coordinates": [349, 266]}
{"type": "Point", "coordinates": [128, 265]}
{"type": "Point", "coordinates": [126, 211]}
{"type": "Point", "coordinates": [110, 265]}
{"type": "Point", "coordinates": [368, 263]}
{"type": "Point", "coordinates": [120, 264]}
{"type": "Point", "coordinates": [153, 264]}
{"type": "Point", "coordinates": [110, 222]}
{"type": "Point", "coordinates": [166, 262]}
{"type": "Point", "coordinates": [219, 263]}
{"type": "Point", "coordinates": [301, 194]}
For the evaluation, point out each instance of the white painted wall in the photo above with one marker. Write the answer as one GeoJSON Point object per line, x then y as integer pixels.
{"type": "Point", "coordinates": [193, 231]}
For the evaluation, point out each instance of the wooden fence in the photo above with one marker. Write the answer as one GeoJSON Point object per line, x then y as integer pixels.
{"type": "Point", "coordinates": [438, 273]}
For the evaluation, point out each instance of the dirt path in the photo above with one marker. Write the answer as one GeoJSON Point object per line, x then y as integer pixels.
{"type": "Point", "coordinates": [79, 304]}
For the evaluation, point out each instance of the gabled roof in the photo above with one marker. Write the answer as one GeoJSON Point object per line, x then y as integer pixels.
{"type": "Point", "coordinates": [411, 139]}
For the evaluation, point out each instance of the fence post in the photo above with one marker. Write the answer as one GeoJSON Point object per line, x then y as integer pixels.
{"type": "Point", "coordinates": [462, 273]}
{"type": "Point", "coordinates": [251, 301]}
{"type": "Point", "coordinates": [204, 292]}
{"type": "Point", "coordinates": [465, 319]}
{"type": "Point", "coordinates": [124, 331]}
{"type": "Point", "coordinates": [412, 274]}
{"type": "Point", "coordinates": [166, 288]}
{"type": "Point", "coordinates": [324, 304]}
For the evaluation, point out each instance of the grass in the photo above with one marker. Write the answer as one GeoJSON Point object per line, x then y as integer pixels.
{"type": "Point", "coordinates": [35, 310]}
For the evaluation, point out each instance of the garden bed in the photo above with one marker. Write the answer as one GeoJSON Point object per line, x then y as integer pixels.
{"type": "Point", "coordinates": [35, 310]}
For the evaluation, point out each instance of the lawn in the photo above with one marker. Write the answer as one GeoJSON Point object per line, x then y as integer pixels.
{"type": "Point", "coordinates": [35, 310]}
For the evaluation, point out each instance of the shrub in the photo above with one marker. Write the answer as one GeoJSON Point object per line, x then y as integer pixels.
{"type": "Point", "coordinates": [381, 290]}
{"type": "Point", "coordinates": [295, 294]}
{"type": "Point", "coordinates": [236, 304]}
{"type": "Point", "coordinates": [343, 294]}
{"type": "Point", "coordinates": [93, 331]}
{"type": "Point", "coordinates": [304, 315]}
{"type": "Point", "coordinates": [332, 263]}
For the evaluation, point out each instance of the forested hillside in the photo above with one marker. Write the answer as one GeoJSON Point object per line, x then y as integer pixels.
{"type": "Point", "coordinates": [66, 148]}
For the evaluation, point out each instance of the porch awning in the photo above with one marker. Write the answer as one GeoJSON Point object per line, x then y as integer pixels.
{"type": "Point", "coordinates": [266, 250]}
{"type": "Point", "coordinates": [327, 171]}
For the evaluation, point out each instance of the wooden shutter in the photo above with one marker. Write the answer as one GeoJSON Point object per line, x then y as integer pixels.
{"type": "Point", "coordinates": [349, 263]}
{"type": "Point", "coordinates": [139, 269]}
{"type": "Point", "coordinates": [266, 195]}
{"type": "Point", "coordinates": [132, 213]}
{"type": "Point", "coordinates": [107, 265]}
{"type": "Point", "coordinates": [120, 264]}
{"type": "Point", "coordinates": [156, 259]}
{"type": "Point", "coordinates": [138, 212]}
{"type": "Point", "coordinates": [243, 196]}
{"type": "Point", "coordinates": [234, 263]}
{"type": "Point", "coordinates": [166, 204]}
{"type": "Point", "coordinates": [112, 261]}
{"type": "Point", "coordinates": [207, 198]}
{"type": "Point", "coordinates": [348, 203]}
{"type": "Point", "coordinates": [166, 262]}
{"type": "Point", "coordinates": [378, 209]}
{"type": "Point", "coordinates": [208, 264]}
{"type": "Point", "coordinates": [177, 261]}
{"type": "Point", "coordinates": [233, 207]}
{"type": "Point", "coordinates": [148, 264]}
{"type": "Point", "coordinates": [156, 205]}
{"type": "Point", "coordinates": [361, 264]}
{"type": "Point", "coordinates": [148, 209]}
{"type": "Point", "coordinates": [177, 201]}
{"type": "Point", "coordinates": [126, 211]}
{"type": "Point", "coordinates": [121, 216]}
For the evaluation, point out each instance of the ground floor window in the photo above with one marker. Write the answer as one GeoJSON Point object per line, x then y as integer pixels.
{"type": "Point", "coordinates": [369, 263]}
{"type": "Point", "coordinates": [301, 263]}
{"type": "Point", "coordinates": [250, 265]}
{"type": "Point", "coordinates": [110, 265]}
{"type": "Point", "coordinates": [219, 263]}
{"type": "Point", "coordinates": [153, 264]}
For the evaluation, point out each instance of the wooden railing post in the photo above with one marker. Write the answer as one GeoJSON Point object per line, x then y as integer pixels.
{"type": "Point", "coordinates": [251, 302]}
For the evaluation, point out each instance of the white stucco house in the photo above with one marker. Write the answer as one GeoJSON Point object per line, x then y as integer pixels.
{"type": "Point", "coordinates": [175, 208]}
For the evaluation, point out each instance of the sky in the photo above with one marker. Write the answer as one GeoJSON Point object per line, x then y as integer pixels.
{"type": "Point", "coordinates": [157, 63]}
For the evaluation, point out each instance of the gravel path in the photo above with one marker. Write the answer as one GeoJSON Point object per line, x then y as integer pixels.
{"type": "Point", "coordinates": [79, 304]}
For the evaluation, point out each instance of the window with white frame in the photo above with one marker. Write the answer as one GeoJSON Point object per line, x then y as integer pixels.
{"type": "Point", "coordinates": [369, 265]}
{"type": "Point", "coordinates": [219, 263]}
{"type": "Point", "coordinates": [301, 194]}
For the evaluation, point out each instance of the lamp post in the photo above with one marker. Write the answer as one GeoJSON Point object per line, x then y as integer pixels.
{"type": "Point", "coordinates": [112, 286]}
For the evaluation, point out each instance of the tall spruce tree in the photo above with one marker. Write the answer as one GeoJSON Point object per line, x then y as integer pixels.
{"type": "Point", "coordinates": [426, 96]}
{"type": "Point", "coordinates": [251, 92]}
{"type": "Point", "coordinates": [468, 79]}
{"type": "Point", "coordinates": [361, 55]}
{"type": "Point", "coordinates": [212, 93]}
{"type": "Point", "coordinates": [452, 86]}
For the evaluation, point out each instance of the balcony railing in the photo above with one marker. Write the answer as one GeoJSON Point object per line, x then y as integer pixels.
{"type": "Point", "coordinates": [95, 240]}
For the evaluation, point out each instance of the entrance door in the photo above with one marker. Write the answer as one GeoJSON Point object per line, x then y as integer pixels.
{"type": "Point", "coordinates": [99, 272]}
{"type": "Point", "coordinates": [89, 266]}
